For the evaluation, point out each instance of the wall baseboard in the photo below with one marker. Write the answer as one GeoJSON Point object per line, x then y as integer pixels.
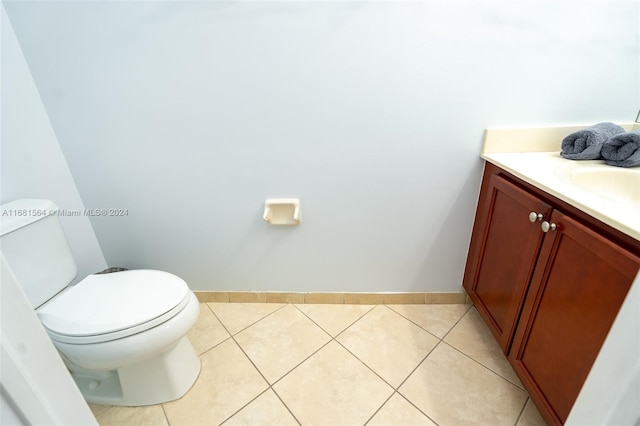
{"type": "Point", "coordinates": [331, 298]}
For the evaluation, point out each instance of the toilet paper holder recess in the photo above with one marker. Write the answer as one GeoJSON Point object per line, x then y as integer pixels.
{"type": "Point", "coordinates": [282, 211]}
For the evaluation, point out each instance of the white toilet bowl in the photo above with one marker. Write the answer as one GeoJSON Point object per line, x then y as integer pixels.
{"type": "Point", "coordinates": [122, 336]}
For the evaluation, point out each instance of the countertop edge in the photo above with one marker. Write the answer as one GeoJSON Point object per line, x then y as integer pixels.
{"type": "Point", "coordinates": [559, 190]}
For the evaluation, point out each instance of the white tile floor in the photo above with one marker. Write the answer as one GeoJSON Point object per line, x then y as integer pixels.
{"type": "Point", "coordinates": [276, 364]}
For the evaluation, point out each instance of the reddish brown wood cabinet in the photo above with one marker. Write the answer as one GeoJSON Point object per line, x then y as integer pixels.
{"type": "Point", "coordinates": [503, 252]}
{"type": "Point", "coordinates": [550, 297]}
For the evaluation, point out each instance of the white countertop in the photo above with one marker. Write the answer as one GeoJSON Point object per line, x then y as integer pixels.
{"type": "Point", "coordinates": [516, 151]}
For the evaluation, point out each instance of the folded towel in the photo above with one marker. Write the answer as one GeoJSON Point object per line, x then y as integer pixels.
{"type": "Point", "coordinates": [586, 144]}
{"type": "Point", "coordinates": [623, 150]}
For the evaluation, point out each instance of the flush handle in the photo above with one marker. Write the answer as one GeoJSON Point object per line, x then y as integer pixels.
{"type": "Point", "coordinates": [534, 217]}
{"type": "Point", "coordinates": [546, 226]}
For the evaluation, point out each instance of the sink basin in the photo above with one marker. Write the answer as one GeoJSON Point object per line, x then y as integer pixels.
{"type": "Point", "coordinates": [622, 185]}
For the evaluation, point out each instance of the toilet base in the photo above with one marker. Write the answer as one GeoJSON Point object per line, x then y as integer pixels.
{"type": "Point", "coordinates": [162, 378]}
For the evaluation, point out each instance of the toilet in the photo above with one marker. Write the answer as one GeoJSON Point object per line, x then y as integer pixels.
{"type": "Point", "coordinates": [121, 335]}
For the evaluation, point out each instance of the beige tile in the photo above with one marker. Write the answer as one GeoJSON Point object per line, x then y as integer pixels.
{"type": "Point", "coordinates": [389, 344]}
{"type": "Point", "coordinates": [151, 415]}
{"type": "Point", "coordinates": [238, 316]}
{"type": "Point", "coordinates": [472, 337]}
{"type": "Point", "coordinates": [436, 319]}
{"type": "Point", "coordinates": [332, 388]}
{"type": "Point", "coordinates": [267, 409]}
{"type": "Point", "coordinates": [530, 416]}
{"type": "Point", "coordinates": [402, 298]}
{"type": "Point", "coordinates": [398, 411]}
{"type": "Point", "coordinates": [212, 296]}
{"type": "Point", "coordinates": [97, 408]}
{"type": "Point", "coordinates": [207, 331]}
{"type": "Point", "coordinates": [333, 298]}
{"type": "Point", "coordinates": [452, 389]}
{"type": "Point", "coordinates": [445, 298]}
{"type": "Point", "coordinates": [364, 298]}
{"type": "Point", "coordinates": [247, 297]}
{"type": "Point", "coordinates": [334, 318]}
{"type": "Point", "coordinates": [285, 297]}
{"type": "Point", "coordinates": [281, 341]}
{"type": "Point", "coordinates": [227, 382]}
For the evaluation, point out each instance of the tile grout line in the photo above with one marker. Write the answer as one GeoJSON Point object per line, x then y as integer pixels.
{"type": "Point", "coordinates": [285, 405]}
{"type": "Point", "coordinates": [476, 361]}
{"type": "Point", "coordinates": [332, 339]}
{"type": "Point", "coordinates": [396, 392]}
{"type": "Point", "coordinates": [242, 408]}
{"type": "Point", "coordinates": [356, 321]}
{"type": "Point", "coordinates": [418, 408]}
{"type": "Point", "coordinates": [418, 325]}
{"type": "Point", "coordinates": [301, 362]}
{"type": "Point", "coordinates": [213, 347]}
{"type": "Point", "coordinates": [486, 368]}
{"type": "Point", "coordinates": [522, 411]}
{"type": "Point", "coordinates": [354, 355]}
{"type": "Point", "coordinates": [410, 374]}
{"type": "Point", "coordinates": [457, 322]}
{"type": "Point", "coordinates": [416, 367]}
{"type": "Point", "coordinates": [440, 341]}
{"type": "Point", "coordinates": [363, 363]}
{"type": "Point", "coordinates": [344, 329]}
{"type": "Point", "coordinates": [380, 407]}
{"type": "Point", "coordinates": [250, 325]}
{"type": "Point", "coordinates": [165, 414]}
{"type": "Point", "coordinates": [223, 326]}
{"type": "Point", "coordinates": [232, 337]}
{"type": "Point", "coordinates": [395, 389]}
{"type": "Point", "coordinates": [335, 339]}
{"type": "Point", "coordinates": [269, 384]}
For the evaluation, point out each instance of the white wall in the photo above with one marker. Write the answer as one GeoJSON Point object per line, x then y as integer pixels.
{"type": "Point", "coordinates": [32, 163]}
{"type": "Point", "coordinates": [36, 387]}
{"type": "Point", "coordinates": [190, 114]}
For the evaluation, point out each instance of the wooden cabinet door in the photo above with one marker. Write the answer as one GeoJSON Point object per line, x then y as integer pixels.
{"type": "Point", "coordinates": [576, 291]}
{"type": "Point", "coordinates": [502, 254]}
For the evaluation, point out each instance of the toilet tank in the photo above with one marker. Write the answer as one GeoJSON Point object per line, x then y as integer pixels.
{"type": "Point", "coordinates": [35, 247]}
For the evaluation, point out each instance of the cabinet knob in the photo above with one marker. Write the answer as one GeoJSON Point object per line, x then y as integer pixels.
{"type": "Point", "coordinates": [546, 226]}
{"type": "Point", "coordinates": [533, 216]}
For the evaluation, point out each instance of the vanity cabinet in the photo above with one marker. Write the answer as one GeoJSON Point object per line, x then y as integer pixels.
{"type": "Point", "coordinates": [548, 280]}
{"type": "Point", "coordinates": [504, 249]}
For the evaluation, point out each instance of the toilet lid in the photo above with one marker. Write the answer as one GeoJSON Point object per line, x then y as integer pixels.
{"type": "Point", "coordinates": [107, 303]}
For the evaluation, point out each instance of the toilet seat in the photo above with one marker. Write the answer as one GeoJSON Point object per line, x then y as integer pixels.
{"type": "Point", "coordinates": [106, 307]}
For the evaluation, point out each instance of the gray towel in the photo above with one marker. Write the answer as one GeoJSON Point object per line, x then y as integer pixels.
{"type": "Point", "coordinates": [623, 150]}
{"type": "Point", "coordinates": [586, 144]}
